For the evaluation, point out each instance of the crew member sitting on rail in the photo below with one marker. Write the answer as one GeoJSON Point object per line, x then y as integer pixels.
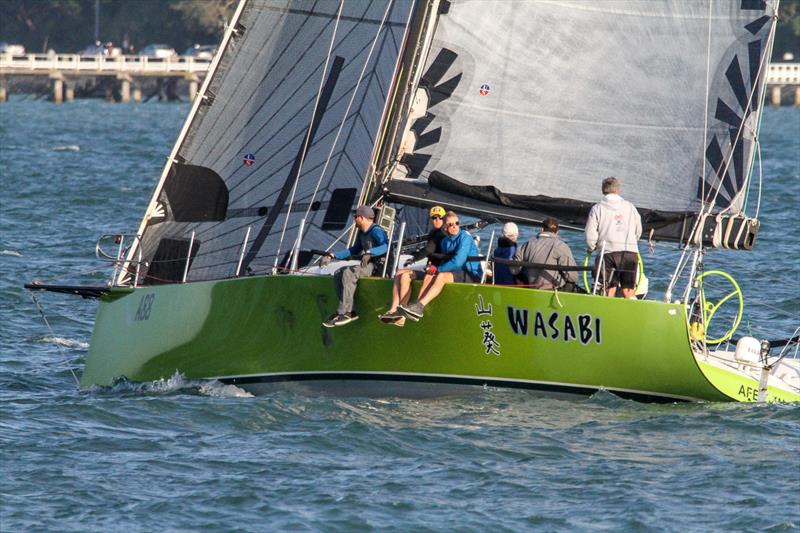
{"type": "Point", "coordinates": [458, 244]}
{"type": "Point", "coordinates": [547, 249]}
{"type": "Point", "coordinates": [372, 244]}
{"type": "Point", "coordinates": [401, 291]}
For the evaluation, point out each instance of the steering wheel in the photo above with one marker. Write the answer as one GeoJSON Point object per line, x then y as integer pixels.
{"type": "Point", "coordinates": [709, 309]}
{"type": "Point", "coordinates": [586, 273]}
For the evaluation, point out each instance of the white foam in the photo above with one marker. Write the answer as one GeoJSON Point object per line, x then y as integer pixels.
{"type": "Point", "coordinates": [69, 343]}
{"type": "Point", "coordinates": [220, 390]}
{"type": "Point", "coordinates": [178, 382]}
{"type": "Point", "coordinates": [12, 253]}
{"type": "Point", "coordinates": [67, 148]}
{"type": "Point", "coordinates": [175, 382]}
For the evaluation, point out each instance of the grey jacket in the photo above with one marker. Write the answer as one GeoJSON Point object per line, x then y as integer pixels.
{"type": "Point", "coordinates": [547, 248]}
{"type": "Point", "coordinates": [615, 222]}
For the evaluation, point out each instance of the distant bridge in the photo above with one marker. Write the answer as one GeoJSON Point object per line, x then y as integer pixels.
{"type": "Point", "coordinates": [782, 75]}
{"type": "Point", "coordinates": [130, 69]}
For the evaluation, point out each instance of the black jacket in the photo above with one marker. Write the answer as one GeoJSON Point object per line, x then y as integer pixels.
{"type": "Point", "coordinates": [432, 246]}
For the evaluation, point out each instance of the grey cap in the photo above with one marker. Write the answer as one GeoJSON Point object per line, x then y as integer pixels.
{"type": "Point", "coordinates": [365, 211]}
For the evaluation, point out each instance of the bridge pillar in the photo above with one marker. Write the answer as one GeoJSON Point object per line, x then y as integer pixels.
{"type": "Point", "coordinates": [775, 97]}
{"type": "Point", "coordinates": [58, 87]}
{"type": "Point", "coordinates": [125, 89]}
{"type": "Point", "coordinates": [194, 83]}
{"type": "Point", "coordinates": [69, 90]}
{"type": "Point", "coordinates": [3, 89]}
{"type": "Point", "coordinates": [137, 91]}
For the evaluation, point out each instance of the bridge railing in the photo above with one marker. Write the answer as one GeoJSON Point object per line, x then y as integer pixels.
{"type": "Point", "coordinates": [778, 74]}
{"type": "Point", "coordinates": [784, 74]}
{"type": "Point", "coordinates": [40, 63]}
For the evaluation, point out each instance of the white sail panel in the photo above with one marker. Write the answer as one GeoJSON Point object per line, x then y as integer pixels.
{"type": "Point", "coordinates": [293, 71]}
{"type": "Point", "coordinates": [543, 99]}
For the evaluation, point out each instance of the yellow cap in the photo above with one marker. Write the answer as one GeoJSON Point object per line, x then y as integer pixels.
{"type": "Point", "coordinates": [437, 211]}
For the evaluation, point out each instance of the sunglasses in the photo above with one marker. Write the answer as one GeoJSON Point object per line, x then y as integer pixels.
{"type": "Point", "coordinates": [452, 224]}
{"type": "Point", "coordinates": [436, 217]}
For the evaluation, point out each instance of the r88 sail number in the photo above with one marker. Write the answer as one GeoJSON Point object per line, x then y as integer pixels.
{"type": "Point", "coordinates": [145, 306]}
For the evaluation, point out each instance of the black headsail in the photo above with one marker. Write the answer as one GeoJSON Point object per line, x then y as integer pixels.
{"type": "Point", "coordinates": [530, 108]}
{"type": "Point", "coordinates": [286, 126]}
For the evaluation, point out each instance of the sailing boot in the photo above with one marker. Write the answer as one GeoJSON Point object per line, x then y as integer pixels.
{"type": "Point", "coordinates": [413, 311]}
{"type": "Point", "coordinates": [390, 317]}
{"type": "Point", "coordinates": [340, 319]}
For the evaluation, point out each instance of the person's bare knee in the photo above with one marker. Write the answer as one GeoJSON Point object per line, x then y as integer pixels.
{"type": "Point", "coordinates": [439, 281]}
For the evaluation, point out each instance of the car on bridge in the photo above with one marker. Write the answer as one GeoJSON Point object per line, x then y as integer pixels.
{"type": "Point", "coordinates": [159, 51]}
{"type": "Point", "coordinates": [201, 51]}
{"type": "Point", "coordinates": [11, 49]}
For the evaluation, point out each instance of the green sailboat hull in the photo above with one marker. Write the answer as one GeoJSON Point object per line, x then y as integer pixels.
{"type": "Point", "coordinates": [267, 330]}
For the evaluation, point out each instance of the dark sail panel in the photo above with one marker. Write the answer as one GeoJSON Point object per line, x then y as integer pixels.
{"type": "Point", "coordinates": [289, 117]}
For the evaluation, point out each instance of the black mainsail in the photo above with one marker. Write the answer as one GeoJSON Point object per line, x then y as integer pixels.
{"type": "Point", "coordinates": [285, 131]}
{"type": "Point", "coordinates": [529, 108]}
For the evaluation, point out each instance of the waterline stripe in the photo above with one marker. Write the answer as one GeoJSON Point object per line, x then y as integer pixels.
{"type": "Point", "coordinates": [448, 378]}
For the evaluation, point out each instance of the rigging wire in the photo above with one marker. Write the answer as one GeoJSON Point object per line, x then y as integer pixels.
{"type": "Point", "coordinates": [53, 334]}
{"type": "Point", "coordinates": [308, 133]}
{"type": "Point", "coordinates": [760, 174]}
{"type": "Point", "coordinates": [677, 273]}
{"type": "Point", "coordinates": [705, 118]}
{"type": "Point", "coordinates": [349, 105]}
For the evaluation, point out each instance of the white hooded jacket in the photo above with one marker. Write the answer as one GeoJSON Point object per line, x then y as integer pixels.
{"type": "Point", "coordinates": [615, 222]}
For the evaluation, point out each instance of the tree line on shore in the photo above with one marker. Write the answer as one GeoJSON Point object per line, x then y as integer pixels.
{"type": "Point", "coordinates": [69, 25]}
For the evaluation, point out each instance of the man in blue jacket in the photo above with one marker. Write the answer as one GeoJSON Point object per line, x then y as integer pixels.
{"type": "Point", "coordinates": [371, 244]}
{"type": "Point", "coordinates": [458, 245]}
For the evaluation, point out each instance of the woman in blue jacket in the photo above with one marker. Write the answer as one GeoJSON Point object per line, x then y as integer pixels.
{"type": "Point", "coordinates": [458, 245]}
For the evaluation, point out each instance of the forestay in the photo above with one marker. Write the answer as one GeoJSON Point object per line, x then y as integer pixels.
{"type": "Point", "coordinates": [286, 128]}
{"type": "Point", "coordinates": [532, 104]}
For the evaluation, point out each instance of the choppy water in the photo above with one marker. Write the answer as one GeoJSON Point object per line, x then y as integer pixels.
{"type": "Point", "coordinates": [184, 456]}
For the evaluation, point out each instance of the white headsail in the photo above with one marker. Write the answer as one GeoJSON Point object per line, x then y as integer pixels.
{"type": "Point", "coordinates": [532, 103]}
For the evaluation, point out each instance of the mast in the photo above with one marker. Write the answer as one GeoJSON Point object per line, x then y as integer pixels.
{"type": "Point", "coordinates": [419, 36]}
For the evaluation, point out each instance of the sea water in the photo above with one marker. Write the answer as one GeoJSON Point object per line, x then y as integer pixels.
{"type": "Point", "coordinates": [178, 455]}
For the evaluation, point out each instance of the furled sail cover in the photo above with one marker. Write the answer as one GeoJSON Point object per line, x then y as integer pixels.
{"type": "Point", "coordinates": [276, 85]}
{"type": "Point", "coordinates": [531, 107]}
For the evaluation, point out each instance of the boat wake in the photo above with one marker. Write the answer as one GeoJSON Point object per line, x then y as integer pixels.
{"type": "Point", "coordinates": [178, 384]}
{"type": "Point", "coordinates": [68, 343]}
{"type": "Point", "coordinates": [67, 148]}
